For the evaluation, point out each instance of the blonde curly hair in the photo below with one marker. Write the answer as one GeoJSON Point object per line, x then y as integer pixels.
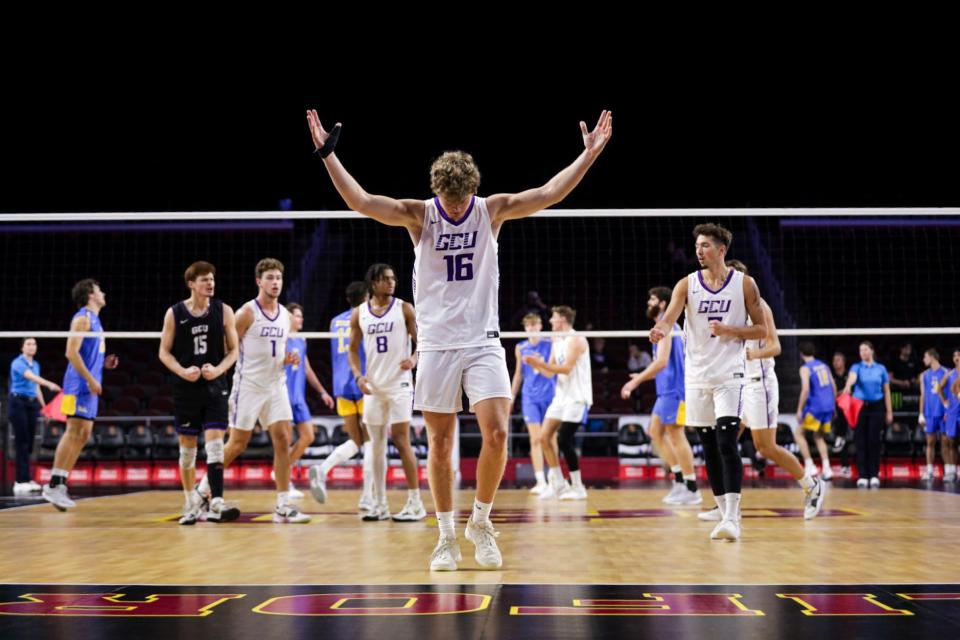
{"type": "Point", "coordinates": [454, 176]}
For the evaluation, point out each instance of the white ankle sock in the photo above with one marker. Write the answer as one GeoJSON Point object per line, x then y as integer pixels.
{"type": "Point", "coordinates": [575, 479]}
{"type": "Point", "coordinates": [445, 520]}
{"type": "Point", "coordinates": [481, 511]}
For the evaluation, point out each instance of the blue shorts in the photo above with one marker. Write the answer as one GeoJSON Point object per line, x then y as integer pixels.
{"type": "Point", "coordinates": [817, 420]}
{"type": "Point", "coordinates": [80, 405]}
{"type": "Point", "coordinates": [934, 424]}
{"type": "Point", "coordinates": [301, 412]}
{"type": "Point", "coordinates": [667, 408]}
{"type": "Point", "coordinates": [950, 423]}
{"type": "Point", "coordinates": [534, 410]}
{"type": "Point", "coordinates": [939, 424]}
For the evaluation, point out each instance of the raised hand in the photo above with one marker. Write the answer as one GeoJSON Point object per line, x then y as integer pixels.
{"type": "Point", "coordinates": [594, 141]}
{"type": "Point", "coordinates": [317, 132]}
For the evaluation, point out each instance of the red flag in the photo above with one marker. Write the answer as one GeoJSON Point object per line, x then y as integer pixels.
{"type": "Point", "coordinates": [52, 409]}
{"type": "Point", "coordinates": [851, 408]}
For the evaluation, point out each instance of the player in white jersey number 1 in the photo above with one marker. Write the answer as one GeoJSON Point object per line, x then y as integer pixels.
{"type": "Point", "coordinates": [260, 383]}
{"type": "Point", "coordinates": [456, 282]}
{"type": "Point", "coordinates": [715, 299]}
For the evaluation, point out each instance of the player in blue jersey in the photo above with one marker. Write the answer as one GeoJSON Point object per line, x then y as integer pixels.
{"type": "Point", "coordinates": [932, 413]}
{"type": "Point", "coordinates": [667, 420]}
{"type": "Point", "coordinates": [298, 375]}
{"type": "Point", "coordinates": [349, 406]}
{"type": "Point", "coordinates": [815, 408]}
{"type": "Point", "coordinates": [949, 392]}
{"type": "Point", "coordinates": [537, 392]}
{"type": "Point", "coordinates": [81, 387]}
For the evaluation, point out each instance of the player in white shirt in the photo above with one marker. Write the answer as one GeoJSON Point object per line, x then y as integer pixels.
{"type": "Point", "coordinates": [716, 298]}
{"type": "Point", "coordinates": [386, 325]}
{"type": "Point", "coordinates": [570, 362]}
{"type": "Point", "coordinates": [761, 396]}
{"type": "Point", "coordinates": [260, 383]}
{"type": "Point", "coordinates": [456, 283]}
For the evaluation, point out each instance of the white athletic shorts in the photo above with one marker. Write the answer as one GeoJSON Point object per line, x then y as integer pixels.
{"type": "Point", "coordinates": [388, 407]}
{"type": "Point", "coordinates": [704, 406]}
{"type": "Point", "coordinates": [566, 411]}
{"type": "Point", "coordinates": [760, 400]}
{"type": "Point", "coordinates": [248, 404]}
{"type": "Point", "coordinates": [443, 376]}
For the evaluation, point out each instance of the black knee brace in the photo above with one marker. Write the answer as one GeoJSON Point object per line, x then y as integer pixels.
{"type": "Point", "coordinates": [566, 442]}
{"type": "Point", "coordinates": [711, 458]}
{"type": "Point", "coordinates": [728, 430]}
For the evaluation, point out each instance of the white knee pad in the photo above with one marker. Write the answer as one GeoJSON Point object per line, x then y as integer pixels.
{"type": "Point", "coordinates": [214, 450]}
{"type": "Point", "coordinates": [188, 457]}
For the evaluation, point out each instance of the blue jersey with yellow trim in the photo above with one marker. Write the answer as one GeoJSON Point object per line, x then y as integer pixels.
{"type": "Point", "coordinates": [670, 380]}
{"type": "Point", "coordinates": [932, 405]}
{"type": "Point", "coordinates": [92, 351]}
{"type": "Point", "coordinates": [344, 386]}
{"type": "Point", "coordinates": [821, 398]}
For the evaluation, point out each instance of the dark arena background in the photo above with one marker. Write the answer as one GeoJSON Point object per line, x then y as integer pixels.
{"type": "Point", "coordinates": [838, 181]}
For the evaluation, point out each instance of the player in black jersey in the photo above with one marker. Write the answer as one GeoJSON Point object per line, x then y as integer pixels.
{"type": "Point", "coordinates": [199, 344]}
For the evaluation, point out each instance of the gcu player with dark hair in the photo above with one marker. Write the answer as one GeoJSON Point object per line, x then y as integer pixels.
{"type": "Point", "coordinates": [716, 298]}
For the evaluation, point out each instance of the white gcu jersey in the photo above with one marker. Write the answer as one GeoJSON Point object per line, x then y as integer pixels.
{"type": "Point", "coordinates": [576, 386]}
{"type": "Point", "coordinates": [712, 361]}
{"type": "Point", "coordinates": [456, 280]}
{"type": "Point", "coordinates": [756, 368]}
{"type": "Point", "coordinates": [263, 348]}
{"type": "Point", "coordinates": [386, 343]}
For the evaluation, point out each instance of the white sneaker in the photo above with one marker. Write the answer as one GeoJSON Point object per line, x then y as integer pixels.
{"type": "Point", "coordinates": [874, 483]}
{"type": "Point", "coordinates": [726, 530]}
{"type": "Point", "coordinates": [318, 484]}
{"type": "Point", "coordinates": [863, 483]}
{"type": "Point", "coordinates": [827, 473]}
{"type": "Point", "coordinates": [287, 514]}
{"type": "Point", "coordinates": [219, 512]}
{"type": "Point", "coordinates": [58, 497]}
{"type": "Point", "coordinates": [538, 488]}
{"type": "Point", "coordinates": [675, 491]}
{"type": "Point", "coordinates": [811, 468]}
{"type": "Point", "coordinates": [551, 490]}
{"type": "Point", "coordinates": [710, 516]}
{"type": "Point", "coordinates": [411, 512]}
{"type": "Point", "coordinates": [380, 512]}
{"type": "Point", "coordinates": [950, 477]}
{"type": "Point", "coordinates": [926, 474]}
{"type": "Point", "coordinates": [22, 489]}
{"type": "Point", "coordinates": [445, 555]}
{"type": "Point", "coordinates": [845, 472]}
{"type": "Point", "coordinates": [484, 536]}
{"type": "Point", "coordinates": [34, 487]}
{"type": "Point", "coordinates": [574, 493]}
{"type": "Point", "coordinates": [364, 507]}
{"type": "Point", "coordinates": [191, 509]}
{"type": "Point", "coordinates": [688, 498]}
{"type": "Point", "coordinates": [813, 499]}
